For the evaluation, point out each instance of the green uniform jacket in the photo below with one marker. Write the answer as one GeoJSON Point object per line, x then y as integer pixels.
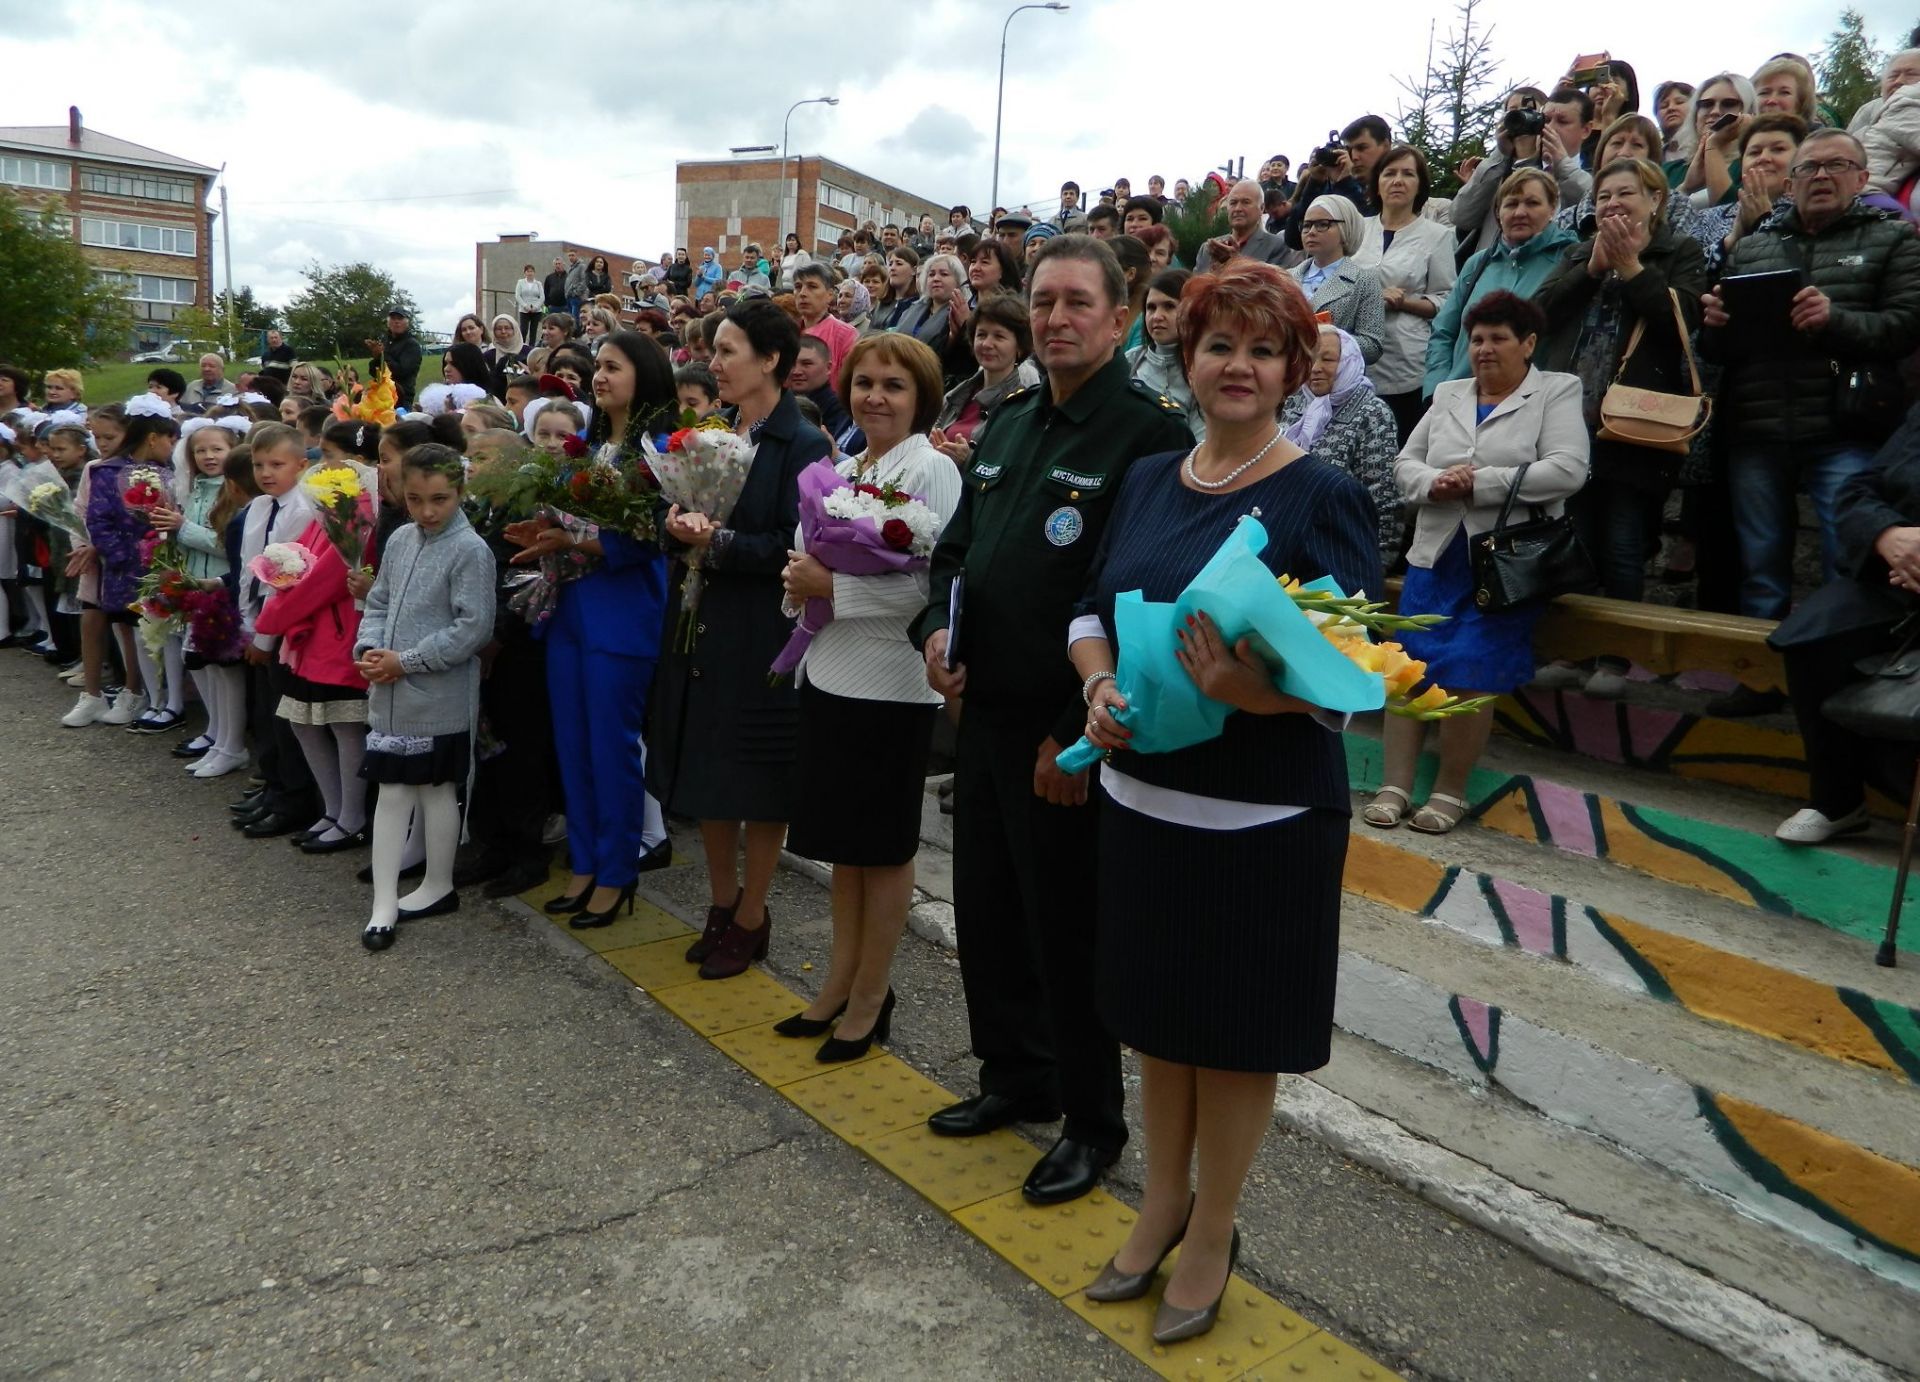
{"type": "Point", "coordinates": [1037, 494]}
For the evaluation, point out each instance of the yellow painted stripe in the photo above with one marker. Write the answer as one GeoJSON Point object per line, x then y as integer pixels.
{"type": "Point", "coordinates": [1628, 847]}
{"type": "Point", "coordinates": [1393, 876]}
{"type": "Point", "coordinates": [1881, 1196]}
{"type": "Point", "coordinates": [1746, 993]}
{"type": "Point", "coordinates": [880, 1104]}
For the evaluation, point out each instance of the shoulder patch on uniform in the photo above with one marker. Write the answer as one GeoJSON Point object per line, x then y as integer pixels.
{"type": "Point", "coordinates": [1165, 404]}
{"type": "Point", "coordinates": [1020, 392]}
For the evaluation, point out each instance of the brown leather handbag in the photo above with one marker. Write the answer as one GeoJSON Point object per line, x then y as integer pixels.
{"type": "Point", "coordinates": [1647, 417]}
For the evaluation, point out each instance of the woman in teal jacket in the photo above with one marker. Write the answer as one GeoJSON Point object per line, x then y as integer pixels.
{"type": "Point", "coordinates": [1529, 248]}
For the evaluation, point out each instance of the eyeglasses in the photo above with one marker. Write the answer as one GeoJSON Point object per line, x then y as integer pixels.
{"type": "Point", "coordinates": [1832, 167]}
{"type": "Point", "coordinates": [1728, 103]}
{"type": "Point", "coordinates": [1318, 224]}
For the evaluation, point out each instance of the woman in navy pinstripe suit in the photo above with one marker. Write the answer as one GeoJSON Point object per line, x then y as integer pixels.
{"type": "Point", "coordinates": [1220, 864]}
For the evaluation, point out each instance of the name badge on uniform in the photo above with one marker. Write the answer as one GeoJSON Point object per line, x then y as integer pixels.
{"type": "Point", "coordinates": [986, 474]}
{"type": "Point", "coordinates": [1064, 526]}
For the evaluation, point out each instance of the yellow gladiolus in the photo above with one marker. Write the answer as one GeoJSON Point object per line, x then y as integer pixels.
{"type": "Point", "coordinates": [1430, 699]}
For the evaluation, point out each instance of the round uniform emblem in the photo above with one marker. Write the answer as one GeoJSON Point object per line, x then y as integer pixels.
{"type": "Point", "coordinates": [1064, 526]}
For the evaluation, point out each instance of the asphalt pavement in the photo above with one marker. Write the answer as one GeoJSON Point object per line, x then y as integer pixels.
{"type": "Point", "coordinates": [233, 1143]}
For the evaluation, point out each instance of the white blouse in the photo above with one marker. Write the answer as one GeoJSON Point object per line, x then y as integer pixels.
{"type": "Point", "coordinates": [864, 653]}
{"type": "Point", "coordinates": [1420, 264]}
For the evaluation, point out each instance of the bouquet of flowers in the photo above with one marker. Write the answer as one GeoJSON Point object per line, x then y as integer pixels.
{"type": "Point", "coordinates": [213, 623]}
{"type": "Point", "coordinates": [857, 530]}
{"type": "Point", "coordinates": [41, 490]}
{"type": "Point", "coordinates": [146, 489]}
{"type": "Point", "coordinates": [373, 402]}
{"type": "Point", "coordinates": [346, 511]}
{"type": "Point", "coordinates": [1313, 636]}
{"type": "Point", "coordinates": [160, 597]}
{"type": "Point", "coordinates": [703, 470]}
{"type": "Point", "coordinates": [280, 565]}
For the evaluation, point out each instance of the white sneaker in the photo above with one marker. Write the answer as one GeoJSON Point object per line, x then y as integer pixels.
{"type": "Point", "coordinates": [556, 830]}
{"type": "Point", "coordinates": [87, 710]}
{"type": "Point", "coordinates": [76, 677]}
{"type": "Point", "coordinates": [1560, 675]}
{"type": "Point", "coordinates": [218, 764]}
{"type": "Point", "coordinates": [1607, 685]}
{"type": "Point", "coordinates": [1809, 827]}
{"type": "Point", "coordinates": [127, 708]}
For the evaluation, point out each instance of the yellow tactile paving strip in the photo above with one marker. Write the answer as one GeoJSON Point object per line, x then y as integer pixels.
{"type": "Point", "coordinates": [880, 1105]}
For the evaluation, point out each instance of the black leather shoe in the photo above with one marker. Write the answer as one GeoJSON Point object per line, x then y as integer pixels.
{"type": "Point", "coordinates": [480, 868]}
{"type": "Point", "coordinates": [249, 801]}
{"type": "Point", "coordinates": [659, 857]}
{"type": "Point", "coordinates": [377, 937]}
{"type": "Point", "coordinates": [270, 826]}
{"type": "Point", "coordinates": [192, 748]}
{"type": "Point", "coordinates": [313, 832]}
{"type": "Point", "coordinates": [359, 839]}
{"type": "Point", "coordinates": [447, 902]}
{"type": "Point", "coordinates": [985, 1112]}
{"type": "Point", "coordinates": [258, 810]}
{"type": "Point", "coordinates": [418, 870]}
{"type": "Point", "coordinates": [1067, 1172]}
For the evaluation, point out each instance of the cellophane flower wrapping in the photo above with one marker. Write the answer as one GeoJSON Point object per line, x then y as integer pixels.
{"type": "Point", "coordinates": [280, 565]}
{"type": "Point", "coordinates": [41, 490]}
{"type": "Point", "coordinates": [346, 508]}
{"type": "Point", "coordinates": [160, 599]}
{"type": "Point", "coordinates": [702, 469]}
{"type": "Point", "coordinates": [855, 530]}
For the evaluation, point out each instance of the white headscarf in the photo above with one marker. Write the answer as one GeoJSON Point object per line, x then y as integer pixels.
{"type": "Point", "coordinates": [1348, 379]}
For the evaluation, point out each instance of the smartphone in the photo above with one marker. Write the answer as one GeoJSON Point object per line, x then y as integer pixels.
{"type": "Point", "coordinates": [1724, 122]}
{"type": "Point", "coordinates": [1589, 68]}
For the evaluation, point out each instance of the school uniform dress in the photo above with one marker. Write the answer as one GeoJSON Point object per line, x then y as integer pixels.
{"type": "Point", "coordinates": [205, 552]}
{"type": "Point", "coordinates": [866, 711]}
{"type": "Point", "coordinates": [1220, 864]}
{"type": "Point", "coordinates": [602, 650]}
{"type": "Point", "coordinates": [723, 738]}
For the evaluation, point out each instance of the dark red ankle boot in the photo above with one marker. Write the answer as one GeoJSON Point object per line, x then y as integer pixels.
{"type": "Point", "coordinates": [718, 920]}
{"type": "Point", "coordinates": [737, 949]}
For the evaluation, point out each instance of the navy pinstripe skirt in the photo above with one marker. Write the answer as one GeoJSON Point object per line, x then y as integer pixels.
{"type": "Point", "coordinates": [1220, 948]}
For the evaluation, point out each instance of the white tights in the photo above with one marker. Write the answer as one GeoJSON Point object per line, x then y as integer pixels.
{"type": "Point", "coordinates": [223, 690]}
{"type": "Point", "coordinates": [438, 812]}
{"type": "Point", "coordinates": [37, 611]}
{"type": "Point", "coordinates": [334, 754]}
{"type": "Point", "coordinates": [173, 687]}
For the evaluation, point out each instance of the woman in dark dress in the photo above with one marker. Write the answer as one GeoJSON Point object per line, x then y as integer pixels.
{"type": "Point", "coordinates": [1220, 864]}
{"type": "Point", "coordinates": [724, 737]}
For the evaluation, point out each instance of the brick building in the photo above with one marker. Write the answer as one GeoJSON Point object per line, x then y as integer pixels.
{"type": "Point", "coordinates": [497, 265]}
{"type": "Point", "coordinates": [140, 215]}
{"type": "Point", "coordinates": [726, 202]}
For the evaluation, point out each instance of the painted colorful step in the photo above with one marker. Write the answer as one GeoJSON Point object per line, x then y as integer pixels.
{"type": "Point", "coordinates": [1840, 1023]}
{"type": "Point", "coordinates": [1844, 894]}
{"type": "Point", "coordinates": [1823, 1190]}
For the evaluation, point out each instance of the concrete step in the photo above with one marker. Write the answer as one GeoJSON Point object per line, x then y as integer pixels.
{"type": "Point", "coordinates": [1664, 1243]}
{"type": "Point", "coordinates": [1718, 842]}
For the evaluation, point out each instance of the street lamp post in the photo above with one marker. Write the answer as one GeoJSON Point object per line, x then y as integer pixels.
{"type": "Point", "coordinates": [780, 206]}
{"type": "Point", "coordinates": [1000, 98]}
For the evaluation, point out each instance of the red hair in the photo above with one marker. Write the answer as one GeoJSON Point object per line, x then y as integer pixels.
{"type": "Point", "coordinates": [1255, 297]}
{"type": "Point", "coordinates": [1152, 235]}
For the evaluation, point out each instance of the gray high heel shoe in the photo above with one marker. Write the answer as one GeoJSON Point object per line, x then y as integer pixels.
{"type": "Point", "coordinates": [1171, 1324]}
{"type": "Point", "coordinates": [1115, 1285]}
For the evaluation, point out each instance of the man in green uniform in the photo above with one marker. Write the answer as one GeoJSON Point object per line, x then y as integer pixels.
{"type": "Point", "coordinates": [1038, 491]}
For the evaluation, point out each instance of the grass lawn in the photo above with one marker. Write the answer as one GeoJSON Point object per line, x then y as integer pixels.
{"type": "Point", "coordinates": [116, 383]}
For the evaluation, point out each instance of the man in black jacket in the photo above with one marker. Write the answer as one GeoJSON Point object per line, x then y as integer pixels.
{"type": "Point", "coordinates": [555, 287]}
{"type": "Point", "coordinates": [1343, 170]}
{"type": "Point", "coordinates": [400, 348]}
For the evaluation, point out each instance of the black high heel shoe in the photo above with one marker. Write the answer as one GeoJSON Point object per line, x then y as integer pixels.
{"type": "Point", "coordinates": [834, 1049]}
{"type": "Point", "coordinates": [800, 1025]}
{"type": "Point", "coordinates": [566, 906]}
{"type": "Point", "coordinates": [586, 921]}
{"type": "Point", "coordinates": [659, 857]}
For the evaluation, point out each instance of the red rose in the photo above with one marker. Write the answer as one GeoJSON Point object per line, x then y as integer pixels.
{"type": "Point", "coordinates": [643, 476]}
{"type": "Point", "coordinates": [873, 490]}
{"type": "Point", "coordinates": [572, 447]}
{"type": "Point", "coordinates": [678, 441]}
{"type": "Point", "coordinates": [143, 496]}
{"type": "Point", "coordinates": [581, 485]}
{"type": "Point", "coordinates": [896, 534]}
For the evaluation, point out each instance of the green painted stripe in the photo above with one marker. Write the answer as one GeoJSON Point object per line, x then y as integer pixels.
{"type": "Point", "coordinates": [1896, 1028]}
{"type": "Point", "coordinates": [1771, 1177]}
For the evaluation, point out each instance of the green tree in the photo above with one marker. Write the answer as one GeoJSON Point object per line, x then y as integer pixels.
{"type": "Point", "coordinates": [59, 312]}
{"type": "Point", "coordinates": [1451, 108]}
{"type": "Point", "coordinates": [1200, 218]}
{"type": "Point", "coordinates": [1849, 68]}
{"type": "Point", "coordinates": [342, 308]}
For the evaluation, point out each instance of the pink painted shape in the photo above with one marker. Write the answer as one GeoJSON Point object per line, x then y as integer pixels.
{"type": "Point", "coordinates": [1478, 1020]}
{"type": "Point", "coordinates": [1706, 681]}
{"type": "Point", "coordinates": [1648, 729]}
{"type": "Point", "coordinates": [1531, 914]}
{"type": "Point", "coordinates": [1567, 820]}
{"type": "Point", "coordinates": [1592, 726]}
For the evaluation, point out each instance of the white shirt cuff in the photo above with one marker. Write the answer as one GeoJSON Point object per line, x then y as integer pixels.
{"type": "Point", "coordinates": [1085, 626]}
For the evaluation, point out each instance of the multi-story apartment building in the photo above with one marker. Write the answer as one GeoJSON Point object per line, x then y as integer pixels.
{"type": "Point", "coordinates": [140, 215]}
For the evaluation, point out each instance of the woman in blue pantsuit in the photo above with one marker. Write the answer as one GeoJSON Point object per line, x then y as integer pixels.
{"type": "Point", "coordinates": [602, 645]}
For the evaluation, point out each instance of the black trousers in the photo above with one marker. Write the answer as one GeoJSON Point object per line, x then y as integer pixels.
{"type": "Point", "coordinates": [1840, 764]}
{"type": "Point", "coordinates": [290, 789]}
{"type": "Point", "coordinates": [514, 790]}
{"type": "Point", "coordinates": [1024, 877]}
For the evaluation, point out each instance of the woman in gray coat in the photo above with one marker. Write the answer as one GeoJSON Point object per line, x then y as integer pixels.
{"type": "Point", "coordinates": [1350, 296]}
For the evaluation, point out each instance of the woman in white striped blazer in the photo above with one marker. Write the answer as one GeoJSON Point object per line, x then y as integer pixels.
{"type": "Point", "coordinates": [866, 713]}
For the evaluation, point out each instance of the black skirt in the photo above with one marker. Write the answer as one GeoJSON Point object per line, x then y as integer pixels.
{"type": "Point", "coordinates": [1221, 948]}
{"type": "Point", "coordinates": [862, 775]}
{"type": "Point", "coordinates": [445, 759]}
{"type": "Point", "coordinates": [307, 702]}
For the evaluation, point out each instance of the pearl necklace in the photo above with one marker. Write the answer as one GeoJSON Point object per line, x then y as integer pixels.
{"type": "Point", "coordinates": [1233, 474]}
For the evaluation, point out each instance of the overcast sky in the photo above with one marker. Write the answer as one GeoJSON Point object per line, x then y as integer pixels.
{"type": "Point", "coordinates": [401, 134]}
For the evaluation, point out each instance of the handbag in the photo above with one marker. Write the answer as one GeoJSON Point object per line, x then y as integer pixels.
{"type": "Point", "coordinates": [1885, 705]}
{"type": "Point", "coordinates": [1868, 401]}
{"type": "Point", "coordinates": [1535, 560]}
{"type": "Point", "coordinates": [1647, 417]}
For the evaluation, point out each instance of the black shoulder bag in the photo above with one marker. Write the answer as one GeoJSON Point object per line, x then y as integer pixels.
{"type": "Point", "coordinates": [1535, 560]}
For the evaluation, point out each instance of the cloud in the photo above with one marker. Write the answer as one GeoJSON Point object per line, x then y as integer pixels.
{"type": "Point", "coordinates": [935, 133]}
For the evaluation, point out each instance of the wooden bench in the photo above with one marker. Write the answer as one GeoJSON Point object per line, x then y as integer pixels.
{"type": "Point", "coordinates": [1662, 638]}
